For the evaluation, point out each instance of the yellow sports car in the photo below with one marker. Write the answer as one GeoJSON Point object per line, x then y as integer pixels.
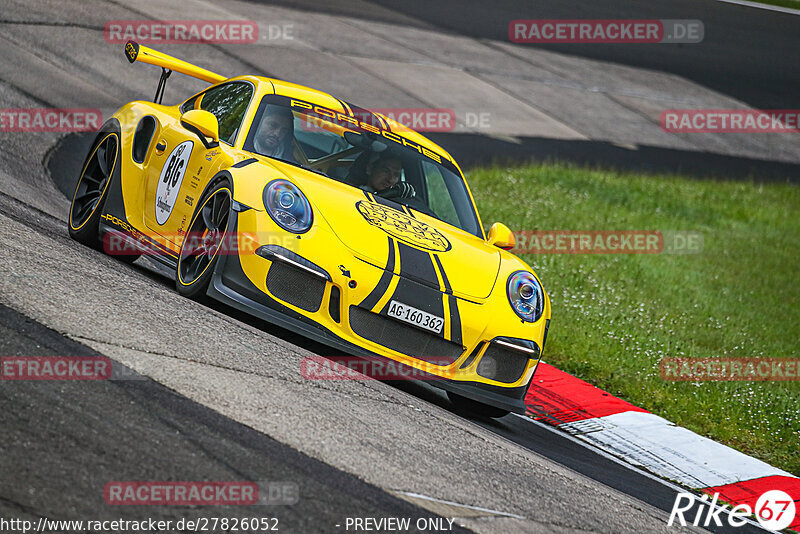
{"type": "Point", "coordinates": [323, 218]}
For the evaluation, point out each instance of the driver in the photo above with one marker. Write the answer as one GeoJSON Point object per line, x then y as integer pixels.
{"type": "Point", "coordinates": [275, 134]}
{"type": "Point", "coordinates": [383, 177]}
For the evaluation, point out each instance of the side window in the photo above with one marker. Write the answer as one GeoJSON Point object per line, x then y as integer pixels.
{"type": "Point", "coordinates": [439, 198]}
{"type": "Point", "coordinates": [228, 103]}
{"type": "Point", "coordinates": [190, 104]}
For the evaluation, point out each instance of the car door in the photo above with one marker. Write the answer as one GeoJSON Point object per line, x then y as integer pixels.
{"type": "Point", "coordinates": [179, 174]}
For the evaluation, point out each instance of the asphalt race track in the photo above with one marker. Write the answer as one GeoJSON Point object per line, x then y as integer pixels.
{"type": "Point", "coordinates": [75, 438]}
{"type": "Point", "coordinates": [207, 393]}
{"type": "Point", "coordinates": [737, 57]}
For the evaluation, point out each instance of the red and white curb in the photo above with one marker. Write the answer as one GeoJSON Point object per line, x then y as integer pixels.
{"type": "Point", "coordinates": [651, 442]}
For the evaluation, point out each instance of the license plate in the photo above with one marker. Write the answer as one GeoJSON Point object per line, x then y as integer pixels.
{"type": "Point", "coordinates": [419, 318]}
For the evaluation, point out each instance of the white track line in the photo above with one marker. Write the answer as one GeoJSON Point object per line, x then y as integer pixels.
{"type": "Point", "coordinates": [604, 454]}
{"type": "Point", "coordinates": [459, 505]}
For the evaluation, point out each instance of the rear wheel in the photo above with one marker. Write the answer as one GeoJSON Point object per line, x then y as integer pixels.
{"type": "Point", "coordinates": [90, 192]}
{"type": "Point", "coordinates": [101, 167]}
{"type": "Point", "coordinates": [201, 246]}
{"type": "Point", "coordinates": [472, 407]}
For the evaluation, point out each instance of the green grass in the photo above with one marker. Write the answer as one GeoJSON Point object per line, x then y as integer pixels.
{"type": "Point", "coordinates": [616, 316]}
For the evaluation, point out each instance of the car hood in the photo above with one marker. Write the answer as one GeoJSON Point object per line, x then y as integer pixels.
{"type": "Point", "coordinates": [415, 245]}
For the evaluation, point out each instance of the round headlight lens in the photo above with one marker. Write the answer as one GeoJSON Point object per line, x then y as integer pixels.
{"type": "Point", "coordinates": [288, 206]}
{"type": "Point", "coordinates": [286, 200]}
{"type": "Point", "coordinates": [525, 296]}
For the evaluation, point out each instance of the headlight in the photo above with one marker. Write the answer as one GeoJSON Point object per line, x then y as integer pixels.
{"type": "Point", "coordinates": [526, 296]}
{"type": "Point", "coordinates": [288, 206]}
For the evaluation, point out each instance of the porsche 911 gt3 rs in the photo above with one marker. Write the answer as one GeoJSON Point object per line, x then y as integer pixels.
{"type": "Point", "coordinates": [349, 228]}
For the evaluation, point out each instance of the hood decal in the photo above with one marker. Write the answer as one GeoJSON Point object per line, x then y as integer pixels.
{"type": "Point", "coordinates": [403, 227]}
{"type": "Point", "coordinates": [471, 264]}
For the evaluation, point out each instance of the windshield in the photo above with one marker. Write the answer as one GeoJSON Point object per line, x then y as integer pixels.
{"type": "Point", "coordinates": [362, 152]}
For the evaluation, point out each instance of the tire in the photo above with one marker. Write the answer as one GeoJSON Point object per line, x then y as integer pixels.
{"type": "Point", "coordinates": [475, 408]}
{"type": "Point", "coordinates": [199, 250]}
{"type": "Point", "coordinates": [102, 166]}
{"type": "Point", "coordinates": [92, 188]}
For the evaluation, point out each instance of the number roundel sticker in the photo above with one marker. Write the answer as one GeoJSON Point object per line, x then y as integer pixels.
{"type": "Point", "coordinates": [169, 183]}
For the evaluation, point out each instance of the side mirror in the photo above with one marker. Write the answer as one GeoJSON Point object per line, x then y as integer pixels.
{"type": "Point", "coordinates": [203, 124]}
{"type": "Point", "coordinates": [501, 237]}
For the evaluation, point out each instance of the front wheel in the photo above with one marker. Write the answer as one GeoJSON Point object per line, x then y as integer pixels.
{"type": "Point", "coordinates": [202, 243]}
{"type": "Point", "coordinates": [472, 407]}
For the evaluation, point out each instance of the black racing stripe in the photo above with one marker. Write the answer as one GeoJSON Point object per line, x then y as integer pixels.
{"type": "Point", "coordinates": [447, 287]}
{"type": "Point", "coordinates": [244, 163]}
{"type": "Point", "coordinates": [418, 285]}
{"type": "Point", "coordinates": [383, 284]}
{"type": "Point", "coordinates": [416, 265]}
{"type": "Point", "coordinates": [419, 296]}
{"type": "Point", "coordinates": [455, 317]}
{"type": "Point", "coordinates": [408, 212]}
{"type": "Point", "coordinates": [455, 320]}
{"type": "Point", "coordinates": [386, 202]}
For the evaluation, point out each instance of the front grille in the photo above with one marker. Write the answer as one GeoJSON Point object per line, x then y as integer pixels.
{"type": "Point", "coordinates": [295, 286]}
{"type": "Point", "coordinates": [501, 364]}
{"type": "Point", "coordinates": [403, 338]}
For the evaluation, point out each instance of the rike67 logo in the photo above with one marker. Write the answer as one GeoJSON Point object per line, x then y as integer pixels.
{"type": "Point", "coordinates": [774, 510]}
